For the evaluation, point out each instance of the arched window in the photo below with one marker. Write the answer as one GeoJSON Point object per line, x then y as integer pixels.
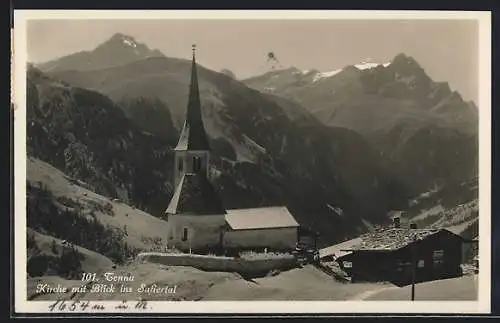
{"type": "Point", "coordinates": [196, 164]}
{"type": "Point", "coordinates": [184, 234]}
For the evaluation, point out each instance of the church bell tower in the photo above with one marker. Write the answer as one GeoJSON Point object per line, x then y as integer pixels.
{"type": "Point", "coordinates": [192, 152]}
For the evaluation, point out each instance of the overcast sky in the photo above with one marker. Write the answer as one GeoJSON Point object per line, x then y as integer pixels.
{"type": "Point", "coordinates": [446, 49]}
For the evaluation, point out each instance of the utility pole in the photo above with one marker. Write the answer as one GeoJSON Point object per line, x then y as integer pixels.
{"type": "Point", "coordinates": [414, 268]}
{"type": "Point", "coordinates": [413, 281]}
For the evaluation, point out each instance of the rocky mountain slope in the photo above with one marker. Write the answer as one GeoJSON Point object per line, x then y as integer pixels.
{"type": "Point", "coordinates": [426, 130]}
{"type": "Point", "coordinates": [371, 97]}
{"type": "Point", "coordinates": [86, 135]}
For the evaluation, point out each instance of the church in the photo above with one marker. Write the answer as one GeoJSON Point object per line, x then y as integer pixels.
{"type": "Point", "coordinates": [198, 221]}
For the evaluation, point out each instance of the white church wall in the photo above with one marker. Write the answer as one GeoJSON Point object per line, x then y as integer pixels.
{"type": "Point", "coordinates": [279, 238]}
{"type": "Point", "coordinates": [203, 231]}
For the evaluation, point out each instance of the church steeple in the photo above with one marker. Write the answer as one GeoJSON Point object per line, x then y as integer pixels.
{"type": "Point", "coordinates": [193, 135]}
{"type": "Point", "coordinates": [192, 152]}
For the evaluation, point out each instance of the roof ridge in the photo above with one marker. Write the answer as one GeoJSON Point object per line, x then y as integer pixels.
{"type": "Point", "coordinates": [259, 207]}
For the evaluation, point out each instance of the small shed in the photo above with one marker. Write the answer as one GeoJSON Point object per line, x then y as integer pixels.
{"type": "Point", "coordinates": [273, 228]}
{"type": "Point", "coordinates": [400, 254]}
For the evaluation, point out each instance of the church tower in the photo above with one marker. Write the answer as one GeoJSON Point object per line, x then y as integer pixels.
{"type": "Point", "coordinates": [192, 152]}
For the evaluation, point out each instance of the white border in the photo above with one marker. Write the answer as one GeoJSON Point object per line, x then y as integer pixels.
{"type": "Point", "coordinates": [482, 305]}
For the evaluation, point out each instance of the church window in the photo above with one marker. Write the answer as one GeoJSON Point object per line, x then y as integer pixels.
{"type": "Point", "coordinates": [181, 165]}
{"type": "Point", "coordinates": [184, 234]}
{"type": "Point", "coordinates": [196, 164]}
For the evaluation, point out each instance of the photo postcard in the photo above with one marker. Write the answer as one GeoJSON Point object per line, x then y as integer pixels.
{"type": "Point", "coordinates": [252, 162]}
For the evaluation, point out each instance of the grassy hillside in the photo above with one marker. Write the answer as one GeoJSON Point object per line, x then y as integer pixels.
{"type": "Point", "coordinates": [141, 230]}
{"type": "Point", "coordinates": [72, 229]}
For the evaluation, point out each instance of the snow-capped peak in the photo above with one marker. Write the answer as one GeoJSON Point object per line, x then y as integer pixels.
{"type": "Point", "coordinates": [366, 64]}
{"type": "Point", "coordinates": [129, 42]}
{"type": "Point", "coordinates": [369, 65]}
{"type": "Point", "coordinates": [323, 75]}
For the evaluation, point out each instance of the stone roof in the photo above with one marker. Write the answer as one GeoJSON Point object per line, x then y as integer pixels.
{"type": "Point", "coordinates": [392, 239]}
{"type": "Point", "coordinates": [260, 218]}
{"type": "Point", "coordinates": [195, 195]}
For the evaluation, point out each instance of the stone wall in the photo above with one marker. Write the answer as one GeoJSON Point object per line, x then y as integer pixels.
{"type": "Point", "coordinates": [246, 267]}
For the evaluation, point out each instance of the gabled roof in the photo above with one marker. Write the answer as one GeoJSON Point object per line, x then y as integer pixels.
{"type": "Point", "coordinates": [193, 135]}
{"type": "Point", "coordinates": [195, 195]}
{"type": "Point", "coordinates": [338, 250]}
{"type": "Point", "coordinates": [392, 239]}
{"type": "Point", "coordinates": [260, 218]}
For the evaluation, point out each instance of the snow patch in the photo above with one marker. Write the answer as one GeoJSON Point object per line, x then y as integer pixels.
{"type": "Point", "coordinates": [435, 210]}
{"type": "Point", "coordinates": [369, 65]}
{"type": "Point", "coordinates": [253, 146]}
{"type": "Point", "coordinates": [129, 43]}
{"type": "Point", "coordinates": [323, 75]}
{"type": "Point", "coordinates": [337, 210]}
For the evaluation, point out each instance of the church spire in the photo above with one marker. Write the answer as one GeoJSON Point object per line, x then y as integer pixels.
{"type": "Point", "coordinates": [193, 135]}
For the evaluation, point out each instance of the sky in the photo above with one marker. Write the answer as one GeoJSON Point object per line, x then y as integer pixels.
{"type": "Point", "coordinates": [446, 49]}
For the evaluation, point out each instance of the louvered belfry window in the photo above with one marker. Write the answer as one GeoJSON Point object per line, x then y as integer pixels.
{"type": "Point", "coordinates": [181, 164]}
{"type": "Point", "coordinates": [196, 164]}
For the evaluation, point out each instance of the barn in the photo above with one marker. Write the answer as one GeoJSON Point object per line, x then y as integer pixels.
{"type": "Point", "coordinates": [400, 254]}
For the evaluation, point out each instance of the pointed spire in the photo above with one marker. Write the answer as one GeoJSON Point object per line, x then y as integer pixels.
{"type": "Point", "coordinates": [194, 105]}
{"type": "Point", "coordinates": [193, 135]}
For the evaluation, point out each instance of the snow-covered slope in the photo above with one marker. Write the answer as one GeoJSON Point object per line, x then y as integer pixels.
{"type": "Point", "coordinates": [144, 231]}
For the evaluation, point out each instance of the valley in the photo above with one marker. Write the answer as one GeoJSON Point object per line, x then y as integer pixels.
{"type": "Point", "coordinates": [342, 150]}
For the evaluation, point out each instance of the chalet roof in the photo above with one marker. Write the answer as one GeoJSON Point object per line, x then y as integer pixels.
{"type": "Point", "coordinates": [193, 135]}
{"type": "Point", "coordinates": [195, 195]}
{"type": "Point", "coordinates": [393, 239]}
{"type": "Point", "coordinates": [339, 249]}
{"type": "Point", "coordinates": [260, 218]}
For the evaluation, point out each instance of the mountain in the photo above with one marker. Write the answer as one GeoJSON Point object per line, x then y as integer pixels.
{"type": "Point", "coordinates": [264, 153]}
{"type": "Point", "coordinates": [228, 73]}
{"type": "Point", "coordinates": [371, 98]}
{"type": "Point", "coordinates": [426, 130]}
{"type": "Point", "coordinates": [118, 50]}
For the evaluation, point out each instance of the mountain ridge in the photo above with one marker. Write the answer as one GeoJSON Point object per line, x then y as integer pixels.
{"type": "Point", "coordinates": [118, 50]}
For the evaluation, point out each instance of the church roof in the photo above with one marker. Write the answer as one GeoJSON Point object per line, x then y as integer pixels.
{"type": "Point", "coordinates": [193, 135]}
{"type": "Point", "coordinates": [195, 195]}
{"type": "Point", "coordinates": [260, 218]}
